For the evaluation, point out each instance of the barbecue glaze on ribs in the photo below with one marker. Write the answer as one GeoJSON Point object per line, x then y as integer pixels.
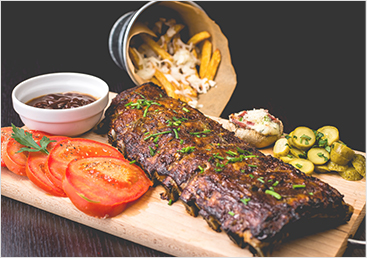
{"type": "Point", "coordinates": [256, 199]}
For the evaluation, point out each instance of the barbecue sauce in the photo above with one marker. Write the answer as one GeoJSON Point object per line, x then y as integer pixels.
{"type": "Point", "coordinates": [61, 100]}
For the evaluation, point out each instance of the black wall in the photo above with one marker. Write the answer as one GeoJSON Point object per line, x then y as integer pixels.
{"type": "Point", "coordinates": [304, 61]}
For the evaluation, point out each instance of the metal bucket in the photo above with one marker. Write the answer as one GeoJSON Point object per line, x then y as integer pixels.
{"type": "Point", "coordinates": [118, 38]}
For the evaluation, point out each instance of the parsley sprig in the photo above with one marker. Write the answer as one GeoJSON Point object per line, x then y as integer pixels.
{"type": "Point", "coordinates": [26, 139]}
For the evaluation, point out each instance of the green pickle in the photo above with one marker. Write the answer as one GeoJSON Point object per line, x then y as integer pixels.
{"type": "Point", "coordinates": [341, 154]}
{"type": "Point", "coordinates": [303, 138]}
{"type": "Point", "coordinates": [332, 166]}
{"type": "Point", "coordinates": [322, 169]}
{"type": "Point", "coordinates": [359, 163]}
{"type": "Point", "coordinates": [351, 174]}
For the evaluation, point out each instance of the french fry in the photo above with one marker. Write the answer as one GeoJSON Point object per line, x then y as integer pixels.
{"type": "Point", "coordinates": [198, 37]}
{"type": "Point", "coordinates": [206, 53]}
{"type": "Point", "coordinates": [167, 86]}
{"type": "Point", "coordinates": [191, 92]}
{"type": "Point", "coordinates": [182, 96]}
{"type": "Point", "coordinates": [213, 65]}
{"type": "Point", "coordinates": [170, 34]}
{"type": "Point", "coordinates": [155, 81]}
{"type": "Point", "coordinates": [135, 58]}
{"type": "Point", "coordinates": [155, 47]}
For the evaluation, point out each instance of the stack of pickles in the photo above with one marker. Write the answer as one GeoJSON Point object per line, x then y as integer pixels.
{"type": "Point", "coordinates": [320, 151]}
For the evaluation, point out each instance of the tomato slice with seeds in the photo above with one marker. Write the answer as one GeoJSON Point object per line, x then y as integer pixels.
{"type": "Point", "coordinates": [16, 162]}
{"type": "Point", "coordinates": [36, 168]}
{"type": "Point", "coordinates": [74, 148]}
{"type": "Point", "coordinates": [5, 136]}
{"type": "Point", "coordinates": [102, 186]}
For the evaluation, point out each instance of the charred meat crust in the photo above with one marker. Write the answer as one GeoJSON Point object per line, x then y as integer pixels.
{"type": "Point", "coordinates": [254, 198]}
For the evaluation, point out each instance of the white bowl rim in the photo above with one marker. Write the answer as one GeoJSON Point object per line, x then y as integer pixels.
{"type": "Point", "coordinates": [32, 112]}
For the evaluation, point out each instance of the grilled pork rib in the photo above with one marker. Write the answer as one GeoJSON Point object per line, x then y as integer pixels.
{"type": "Point", "coordinates": [257, 200]}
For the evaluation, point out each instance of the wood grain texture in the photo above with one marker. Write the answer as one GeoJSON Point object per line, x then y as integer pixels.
{"type": "Point", "coordinates": [151, 222]}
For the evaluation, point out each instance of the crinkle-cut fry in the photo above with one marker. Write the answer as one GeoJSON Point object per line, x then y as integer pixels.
{"type": "Point", "coordinates": [155, 47]}
{"type": "Point", "coordinates": [206, 53]}
{"type": "Point", "coordinates": [134, 56]}
{"type": "Point", "coordinates": [198, 37]}
{"type": "Point", "coordinates": [170, 33]}
{"type": "Point", "coordinates": [213, 65]}
{"type": "Point", "coordinates": [166, 84]}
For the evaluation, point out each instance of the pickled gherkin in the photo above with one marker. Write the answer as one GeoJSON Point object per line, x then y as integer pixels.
{"type": "Point", "coordinates": [332, 166]}
{"type": "Point", "coordinates": [322, 169]}
{"type": "Point", "coordinates": [330, 133]}
{"type": "Point", "coordinates": [303, 138]}
{"type": "Point", "coordinates": [341, 154]}
{"type": "Point", "coordinates": [351, 174]}
{"type": "Point", "coordinates": [321, 151]}
{"type": "Point", "coordinates": [318, 156]}
{"type": "Point", "coordinates": [359, 163]}
{"type": "Point", "coordinates": [281, 147]}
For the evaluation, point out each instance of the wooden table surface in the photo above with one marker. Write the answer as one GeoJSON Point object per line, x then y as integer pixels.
{"type": "Point", "coordinates": [280, 50]}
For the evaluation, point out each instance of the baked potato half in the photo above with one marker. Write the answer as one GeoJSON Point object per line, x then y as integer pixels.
{"type": "Point", "coordinates": [257, 127]}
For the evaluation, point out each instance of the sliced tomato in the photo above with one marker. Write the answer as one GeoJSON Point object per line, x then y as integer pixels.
{"type": "Point", "coordinates": [5, 136]}
{"type": "Point", "coordinates": [75, 148]}
{"type": "Point", "coordinates": [37, 165]}
{"type": "Point", "coordinates": [16, 162]}
{"type": "Point", "coordinates": [102, 186]}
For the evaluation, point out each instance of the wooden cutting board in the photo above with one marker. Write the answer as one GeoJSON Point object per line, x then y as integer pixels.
{"type": "Point", "coordinates": [151, 222]}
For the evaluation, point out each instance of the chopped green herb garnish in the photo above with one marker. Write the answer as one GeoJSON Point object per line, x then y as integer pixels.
{"type": "Point", "coordinates": [276, 183]}
{"type": "Point", "coordinates": [306, 138]}
{"type": "Point", "coordinates": [217, 156]}
{"type": "Point", "coordinates": [231, 213]}
{"type": "Point", "coordinates": [298, 186]}
{"type": "Point", "coordinates": [232, 153]}
{"type": "Point", "coordinates": [182, 141]}
{"type": "Point", "coordinates": [156, 139]}
{"type": "Point", "coordinates": [244, 151]}
{"type": "Point", "coordinates": [151, 151]}
{"type": "Point", "coordinates": [299, 165]}
{"type": "Point", "coordinates": [251, 175]}
{"type": "Point", "coordinates": [310, 193]}
{"type": "Point", "coordinates": [176, 133]}
{"type": "Point", "coordinates": [253, 166]}
{"type": "Point", "coordinates": [196, 133]}
{"type": "Point", "coordinates": [185, 109]}
{"type": "Point", "coordinates": [274, 194]}
{"type": "Point", "coordinates": [170, 202]}
{"type": "Point", "coordinates": [261, 179]}
{"type": "Point", "coordinates": [132, 162]}
{"type": "Point", "coordinates": [201, 169]}
{"type": "Point", "coordinates": [155, 134]}
{"type": "Point", "coordinates": [188, 149]}
{"type": "Point", "coordinates": [321, 155]}
{"type": "Point", "coordinates": [245, 200]}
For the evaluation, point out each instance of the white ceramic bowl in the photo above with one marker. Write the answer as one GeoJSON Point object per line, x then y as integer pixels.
{"type": "Point", "coordinates": [68, 122]}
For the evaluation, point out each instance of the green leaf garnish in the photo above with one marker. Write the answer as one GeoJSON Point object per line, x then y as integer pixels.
{"type": "Point", "coordinates": [26, 139]}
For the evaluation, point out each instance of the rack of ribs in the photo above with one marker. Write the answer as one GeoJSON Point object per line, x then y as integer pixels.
{"type": "Point", "coordinates": [256, 199]}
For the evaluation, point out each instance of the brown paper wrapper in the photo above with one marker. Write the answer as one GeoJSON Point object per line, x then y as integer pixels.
{"type": "Point", "coordinates": [215, 100]}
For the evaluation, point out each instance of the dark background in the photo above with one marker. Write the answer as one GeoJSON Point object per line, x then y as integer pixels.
{"type": "Point", "coordinates": [304, 61]}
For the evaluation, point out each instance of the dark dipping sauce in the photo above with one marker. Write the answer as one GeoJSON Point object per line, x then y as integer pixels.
{"type": "Point", "coordinates": [61, 100]}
